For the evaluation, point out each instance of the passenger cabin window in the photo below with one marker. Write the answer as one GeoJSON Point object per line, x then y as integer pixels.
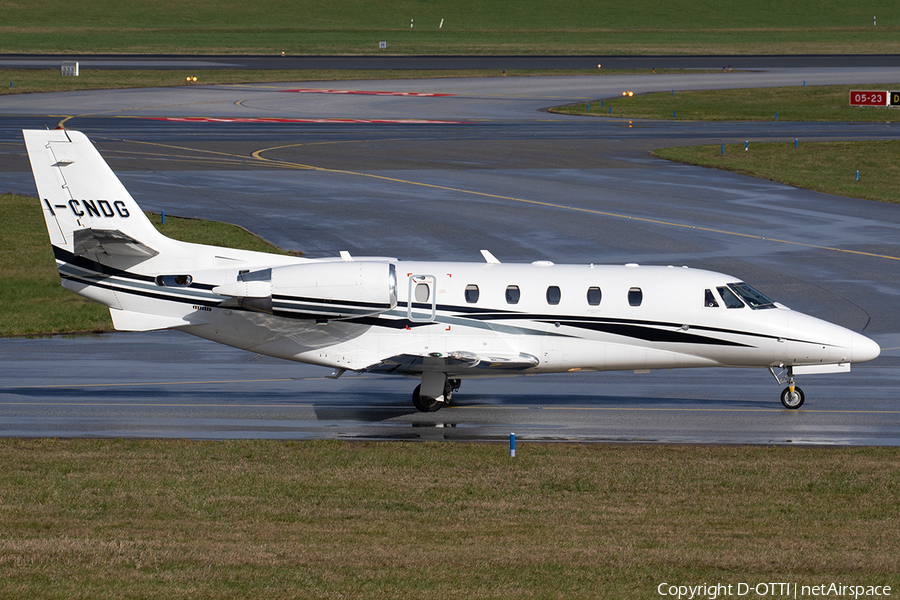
{"type": "Point", "coordinates": [471, 293]}
{"type": "Point", "coordinates": [728, 297]}
{"type": "Point", "coordinates": [593, 296]}
{"type": "Point", "coordinates": [512, 294]}
{"type": "Point", "coordinates": [553, 295]}
{"type": "Point", "coordinates": [635, 296]}
{"type": "Point", "coordinates": [174, 280]}
{"type": "Point", "coordinates": [422, 292]}
{"type": "Point", "coordinates": [710, 300]}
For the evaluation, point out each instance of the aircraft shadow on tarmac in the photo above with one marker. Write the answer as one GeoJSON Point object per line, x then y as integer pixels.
{"type": "Point", "coordinates": [482, 407]}
{"type": "Point", "coordinates": [372, 406]}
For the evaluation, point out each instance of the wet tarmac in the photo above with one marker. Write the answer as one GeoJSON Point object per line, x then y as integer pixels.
{"type": "Point", "coordinates": [532, 187]}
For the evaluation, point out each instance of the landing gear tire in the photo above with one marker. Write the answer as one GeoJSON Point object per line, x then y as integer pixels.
{"type": "Point", "coordinates": [424, 403]}
{"type": "Point", "coordinates": [792, 401]}
{"type": "Point", "coordinates": [451, 386]}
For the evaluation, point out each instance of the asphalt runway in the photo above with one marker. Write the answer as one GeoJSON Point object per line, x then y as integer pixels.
{"type": "Point", "coordinates": [168, 384]}
{"type": "Point", "coordinates": [396, 62]}
{"type": "Point", "coordinates": [376, 174]}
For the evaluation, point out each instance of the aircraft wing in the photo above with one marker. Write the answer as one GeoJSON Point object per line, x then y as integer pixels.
{"type": "Point", "coordinates": [455, 363]}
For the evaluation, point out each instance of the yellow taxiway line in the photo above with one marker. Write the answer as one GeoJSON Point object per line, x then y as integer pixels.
{"type": "Point", "coordinates": [257, 156]}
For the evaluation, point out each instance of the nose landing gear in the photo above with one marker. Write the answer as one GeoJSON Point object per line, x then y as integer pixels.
{"type": "Point", "coordinates": [792, 397]}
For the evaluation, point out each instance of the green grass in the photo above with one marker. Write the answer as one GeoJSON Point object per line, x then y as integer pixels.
{"type": "Point", "coordinates": [268, 519]}
{"type": "Point", "coordinates": [797, 103]}
{"type": "Point", "coordinates": [32, 299]}
{"type": "Point", "coordinates": [471, 15]}
{"type": "Point", "coordinates": [828, 167]}
{"type": "Point", "coordinates": [212, 233]}
{"type": "Point", "coordinates": [469, 27]}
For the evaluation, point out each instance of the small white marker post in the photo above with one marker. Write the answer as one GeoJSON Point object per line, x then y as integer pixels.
{"type": "Point", "coordinates": [411, 23]}
{"type": "Point", "coordinates": [512, 445]}
{"type": "Point", "coordinates": [441, 26]}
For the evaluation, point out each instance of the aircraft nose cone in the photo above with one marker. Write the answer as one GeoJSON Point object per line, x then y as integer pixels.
{"type": "Point", "coordinates": [864, 349]}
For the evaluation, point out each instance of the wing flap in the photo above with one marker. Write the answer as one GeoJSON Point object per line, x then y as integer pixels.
{"type": "Point", "coordinates": [458, 363]}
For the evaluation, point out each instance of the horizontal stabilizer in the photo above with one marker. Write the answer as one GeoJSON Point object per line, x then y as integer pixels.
{"type": "Point", "coordinates": [94, 242]}
{"type": "Point", "coordinates": [126, 320]}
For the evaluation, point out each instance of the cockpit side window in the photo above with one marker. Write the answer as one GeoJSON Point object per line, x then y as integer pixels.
{"type": "Point", "coordinates": [731, 301]}
{"type": "Point", "coordinates": [710, 300]}
{"type": "Point", "coordinates": [753, 297]}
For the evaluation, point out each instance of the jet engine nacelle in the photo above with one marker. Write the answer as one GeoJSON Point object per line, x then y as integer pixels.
{"type": "Point", "coordinates": [335, 290]}
{"type": "Point", "coordinates": [328, 290]}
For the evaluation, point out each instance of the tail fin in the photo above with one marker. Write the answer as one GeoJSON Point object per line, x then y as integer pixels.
{"type": "Point", "coordinates": [87, 209]}
{"type": "Point", "coordinates": [107, 250]}
{"type": "Point", "coordinates": [97, 230]}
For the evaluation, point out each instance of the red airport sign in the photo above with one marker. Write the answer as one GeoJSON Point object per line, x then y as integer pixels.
{"type": "Point", "coordinates": [868, 98]}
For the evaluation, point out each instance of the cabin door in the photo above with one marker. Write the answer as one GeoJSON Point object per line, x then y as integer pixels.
{"type": "Point", "coordinates": [422, 305]}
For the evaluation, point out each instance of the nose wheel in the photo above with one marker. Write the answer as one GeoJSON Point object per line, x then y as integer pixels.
{"type": "Point", "coordinates": [792, 397]}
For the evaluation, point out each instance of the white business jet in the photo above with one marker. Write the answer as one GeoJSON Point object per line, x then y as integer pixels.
{"type": "Point", "coordinates": [439, 322]}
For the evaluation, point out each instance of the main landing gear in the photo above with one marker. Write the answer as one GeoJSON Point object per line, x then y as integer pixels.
{"type": "Point", "coordinates": [792, 397]}
{"type": "Point", "coordinates": [434, 392]}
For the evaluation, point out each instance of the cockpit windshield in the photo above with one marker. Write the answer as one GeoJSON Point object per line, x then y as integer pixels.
{"type": "Point", "coordinates": [753, 297]}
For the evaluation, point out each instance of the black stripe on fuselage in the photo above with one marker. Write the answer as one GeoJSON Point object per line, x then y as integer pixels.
{"type": "Point", "coordinates": [638, 329]}
{"type": "Point", "coordinates": [584, 322]}
{"type": "Point", "coordinates": [331, 302]}
{"type": "Point", "coordinates": [144, 293]}
{"type": "Point", "coordinates": [92, 265]}
{"type": "Point", "coordinates": [651, 334]}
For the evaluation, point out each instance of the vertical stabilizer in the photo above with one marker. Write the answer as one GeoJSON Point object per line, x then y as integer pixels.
{"type": "Point", "coordinates": [87, 209]}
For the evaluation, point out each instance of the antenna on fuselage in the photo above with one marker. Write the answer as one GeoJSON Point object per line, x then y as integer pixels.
{"type": "Point", "coordinates": [489, 258]}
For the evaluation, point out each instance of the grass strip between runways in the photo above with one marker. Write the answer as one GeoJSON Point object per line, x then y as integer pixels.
{"type": "Point", "coordinates": [829, 167]}
{"type": "Point", "coordinates": [451, 27]}
{"type": "Point", "coordinates": [790, 103]}
{"type": "Point", "coordinates": [269, 519]}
